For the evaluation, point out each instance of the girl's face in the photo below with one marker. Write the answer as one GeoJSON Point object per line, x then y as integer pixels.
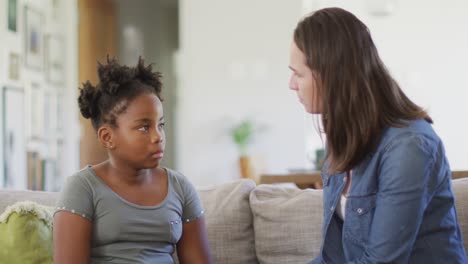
{"type": "Point", "coordinates": [303, 81]}
{"type": "Point", "coordinates": [139, 138]}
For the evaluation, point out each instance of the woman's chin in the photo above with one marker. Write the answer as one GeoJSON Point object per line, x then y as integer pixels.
{"type": "Point", "coordinates": [312, 111]}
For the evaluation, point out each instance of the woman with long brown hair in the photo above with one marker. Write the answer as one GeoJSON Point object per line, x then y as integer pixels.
{"type": "Point", "coordinates": [387, 182]}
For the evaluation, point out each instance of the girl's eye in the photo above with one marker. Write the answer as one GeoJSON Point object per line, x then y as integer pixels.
{"type": "Point", "coordinates": [161, 125]}
{"type": "Point", "coordinates": [144, 128]}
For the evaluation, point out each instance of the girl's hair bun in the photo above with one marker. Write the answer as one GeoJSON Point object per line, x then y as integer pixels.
{"type": "Point", "coordinates": [116, 83]}
{"type": "Point", "coordinates": [113, 75]}
{"type": "Point", "coordinates": [87, 100]}
{"type": "Point", "coordinates": [148, 76]}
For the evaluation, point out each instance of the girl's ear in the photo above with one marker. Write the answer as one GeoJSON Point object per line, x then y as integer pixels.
{"type": "Point", "coordinates": [105, 136]}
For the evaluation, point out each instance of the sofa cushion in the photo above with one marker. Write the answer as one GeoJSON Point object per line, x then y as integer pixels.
{"type": "Point", "coordinates": [287, 223]}
{"type": "Point", "coordinates": [460, 188]}
{"type": "Point", "coordinates": [9, 197]}
{"type": "Point", "coordinates": [229, 220]}
{"type": "Point", "coordinates": [26, 234]}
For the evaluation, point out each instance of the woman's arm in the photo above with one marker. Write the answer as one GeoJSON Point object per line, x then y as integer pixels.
{"type": "Point", "coordinates": [72, 238]}
{"type": "Point", "coordinates": [404, 190]}
{"type": "Point", "coordinates": [193, 246]}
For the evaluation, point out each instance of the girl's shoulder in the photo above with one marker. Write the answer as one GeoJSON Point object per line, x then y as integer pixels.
{"type": "Point", "coordinates": [84, 179]}
{"type": "Point", "coordinates": [176, 176]}
{"type": "Point", "coordinates": [179, 181]}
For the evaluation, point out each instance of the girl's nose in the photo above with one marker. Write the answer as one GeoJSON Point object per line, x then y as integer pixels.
{"type": "Point", "coordinates": [156, 137]}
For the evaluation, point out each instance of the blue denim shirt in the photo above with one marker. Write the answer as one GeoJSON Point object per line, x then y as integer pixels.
{"type": "Point", "coordinates": [400, 205]}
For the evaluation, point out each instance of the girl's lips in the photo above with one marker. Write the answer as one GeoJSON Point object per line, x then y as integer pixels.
{"type": "Point", "coordinates": [157, 155]}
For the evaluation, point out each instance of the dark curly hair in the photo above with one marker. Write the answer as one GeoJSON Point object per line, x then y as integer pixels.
{"type": "Point", "coordinates": [118, 85]}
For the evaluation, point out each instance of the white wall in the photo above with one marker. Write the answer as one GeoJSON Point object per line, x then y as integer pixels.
{"type": "Point", "coordinates": [425, 46]}
{"type": "Point", "coordinates": [233, 63]}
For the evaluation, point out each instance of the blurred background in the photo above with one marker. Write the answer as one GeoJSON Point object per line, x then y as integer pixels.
{"type": "Point", "coordinates": [225, 72]}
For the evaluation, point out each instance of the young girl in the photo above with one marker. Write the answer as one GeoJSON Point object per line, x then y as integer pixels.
{"type": "Point", "coordinates": [128, 209]}
{"type": "Point", "coordinates": [387, 183]}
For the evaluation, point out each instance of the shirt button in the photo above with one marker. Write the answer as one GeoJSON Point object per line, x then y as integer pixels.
{"type": "Point", "coordinates": [332, 208]}
{"type": "Point", "coordinates": [359, 210]}
{"type": "Point", "coordinates": [344, 179]}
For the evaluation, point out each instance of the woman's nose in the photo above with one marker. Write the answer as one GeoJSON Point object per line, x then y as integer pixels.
{"type": "Point", "coordinates": [293, 84]}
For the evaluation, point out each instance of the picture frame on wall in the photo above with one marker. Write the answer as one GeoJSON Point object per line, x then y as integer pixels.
{"type": "Point", "coordinates": [14, 138]}
{"type": "Point", "coordinates": [56, 9]}
{"type": "Point", "coordinates": [35, 172]}
{"type": "Point", "coordinates": [50, 133]}
{"type": "Point", "coordinates": [60, 114]}
{"type": "Point", "coordinates": [14, 66]}
{"type": "Point", "coordinates": [13, 15]}
{"type": "Point", "coordinates": [33, 38]}
{"type": "Point", "coordinates": [35, 120]}
{"type": "Point", "coordinates": [54, 54]}
{"type": "Point", "coordinates": [50, 112]}
{"type": "Point", "coordinates": [50, 173]}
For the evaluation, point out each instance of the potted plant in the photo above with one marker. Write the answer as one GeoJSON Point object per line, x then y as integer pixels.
{"type": "Point", "coordinates": [242, 135]}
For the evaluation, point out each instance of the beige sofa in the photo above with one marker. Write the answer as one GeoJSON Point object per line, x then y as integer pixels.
{"type": "Point", "coordinates": [259, 224]}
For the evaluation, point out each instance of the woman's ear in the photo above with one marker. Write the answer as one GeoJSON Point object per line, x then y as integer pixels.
{"type": "Point", "coordinates": [105, 136]}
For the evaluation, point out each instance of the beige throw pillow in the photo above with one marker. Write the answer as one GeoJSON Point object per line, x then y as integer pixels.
{"type": "Point", "coordinates": [287, 223]}
{"type": "Point", "coordinates": [229, 222]}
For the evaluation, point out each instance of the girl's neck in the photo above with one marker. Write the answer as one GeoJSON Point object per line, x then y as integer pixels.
{"type": "Point", "coordinates": [126, 174]}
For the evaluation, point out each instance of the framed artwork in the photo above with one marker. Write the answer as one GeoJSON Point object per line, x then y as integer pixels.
{"type": "Point", "coordinates": [50, 112]}
{"type": "Point", "coordinates": [55, 9]}
{"type": "Point", "coordinates": [51, 175]}
{"type": "Point", "coordinates": [35, 172]}
{"type": "Point", "coordinates": [14, 138]}
{"type": "Point", "coordinates": [14, 66]}
{"type": "Point", "coordinates": [59, 178]}
{"type": "Point", "coordinates": [60, 114]}
{"type": "Point", "coordinates": [50, 134]}
{"type": "Point", "coordinates": [54, 54]}
{"type": "Point", "coordinates": [33, 38]}
{"type": "Point", "coordinates": [35, 112]}
{"type": "Point", "coordinates": [12, 15]}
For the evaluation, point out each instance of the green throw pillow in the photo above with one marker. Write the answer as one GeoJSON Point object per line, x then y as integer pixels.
{"type": "Point", "coordinates": [26, 234]}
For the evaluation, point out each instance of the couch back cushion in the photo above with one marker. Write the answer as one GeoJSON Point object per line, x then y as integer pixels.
{"type": "Point", "coordinates": [460, 188]}
{"type": "Point", "coordinates": [9, 197]}
{"type": "Point", "coordinates": [287, 223]}
{"type": "Point", "coordinates": [230, 223]}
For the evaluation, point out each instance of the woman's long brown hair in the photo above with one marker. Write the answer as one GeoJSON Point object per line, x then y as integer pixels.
{"type": "Point", "coordinates": [359, 96]}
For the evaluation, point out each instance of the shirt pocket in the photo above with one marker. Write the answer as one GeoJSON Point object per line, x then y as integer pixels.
{"type": "Point", "coordinates": [358, 219]}
{"type": "Point", "coordinates": [175, 230]}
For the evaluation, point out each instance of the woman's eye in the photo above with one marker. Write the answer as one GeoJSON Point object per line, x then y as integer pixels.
{"type": "Point", "coordinates": [161, 125]}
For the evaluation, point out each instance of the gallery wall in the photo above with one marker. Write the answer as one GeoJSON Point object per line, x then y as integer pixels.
{"type": "Point", "coordinates": [38, 80]}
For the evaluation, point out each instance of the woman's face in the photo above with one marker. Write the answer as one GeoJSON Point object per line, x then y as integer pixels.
{"type": "Point", "coordinates": [303, 81]}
